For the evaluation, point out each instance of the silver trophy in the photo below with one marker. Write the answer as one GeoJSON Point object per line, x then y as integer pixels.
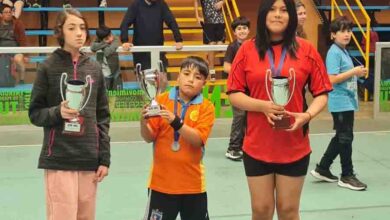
{"type": "Point", "coordinates": [152, 82]}
{"type": "Point", "coordinates": [280, 94]}
{"type": "Point", "coordinates": [75, 95]}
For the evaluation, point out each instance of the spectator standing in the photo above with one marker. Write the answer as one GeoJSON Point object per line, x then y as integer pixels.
{"type": "Point", "coordinates": [213, 25]}
{"type": "Point", "coordinates": [105, 47]}
{"type": "Point", "coordinates": [240, 28]}
{"type": "Point", "coordinates": [147, 18]}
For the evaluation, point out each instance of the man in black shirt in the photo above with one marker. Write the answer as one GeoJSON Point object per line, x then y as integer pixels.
{"type": "Point", "coordinates": [147, 18]}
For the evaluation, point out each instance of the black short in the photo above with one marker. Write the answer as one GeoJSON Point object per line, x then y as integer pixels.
{"type": "Point", "coordinates": [213, 33]}
{"type": "Point", "coordinates": [254, 167]}
{"type": "Point", "coordinates": [162, 206]}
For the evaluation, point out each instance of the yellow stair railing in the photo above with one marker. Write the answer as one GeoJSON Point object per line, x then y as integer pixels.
{"type": "Point", "coordinates": [366, 34]}
{"type": "Point", "coordinates": [230, 12]}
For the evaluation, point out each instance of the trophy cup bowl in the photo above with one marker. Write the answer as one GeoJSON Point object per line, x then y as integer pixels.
{"type": "Point", "coordinates": [280, 94]}
{"type": "Point", "coordinates": [75, 95]}
{"type": "Point", "coordinates": [151, 82]}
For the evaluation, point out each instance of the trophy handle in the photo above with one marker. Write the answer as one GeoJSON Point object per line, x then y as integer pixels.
{"type": "Point", "coordinates": [267, 74]}
{"type": "Point", "coordinates": [161, 66]}
{"type": "Point", "coordinates": [162, 77]}
{"type": "Point", "coordinates": [88, 80]}
{"type": "Point", "coordinates": [63, 79]}
{"type": "Point", "coordinates": [292, 75]}
{"type": "Point", "coordinates": [138, 74]}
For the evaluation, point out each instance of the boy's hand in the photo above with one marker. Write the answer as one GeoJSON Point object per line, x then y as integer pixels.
{"type": "Point", "coordinates": [360, 71]}
{"type": "Point", "coordinates": [144, 113]}
{"type": "Point", "coordinates": [219, 5]}
{"type": "Point", "coordinates": [66, 112]}
{"type": "Point", "coordinates": [127, 46]}
{"type": "Point", "coordinates": [167, 115]}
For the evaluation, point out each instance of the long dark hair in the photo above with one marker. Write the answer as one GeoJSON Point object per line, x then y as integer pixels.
{"type": "Point", "coordinates": [263, 40]}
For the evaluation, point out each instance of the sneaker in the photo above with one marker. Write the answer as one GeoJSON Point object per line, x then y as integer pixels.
{"type": "Point", "coordinates": [27, 4]}
{"type": "Point", "coordinates": [36, 5]}
{"type": "Point", "coordinates": [234, 155]}
{"type": "Point", "coordinates": [212, 75]}
{"type": "Point", "coordinates": [324, 175]}
{"type": "Point", "coordinates": [67, 5]}
{"type": "Point", "coordinates": [103, 4]}
{"type": "Point", "coordinates": [351, 182]}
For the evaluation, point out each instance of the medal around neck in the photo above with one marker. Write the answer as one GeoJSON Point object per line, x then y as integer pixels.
{"type": "Point", "coordinates": [152, 83]}
{"type": "Point", "coordinates": [280, 94]}
{"type": "Point", "coordinates": [75, 95]}
{"type": "Point", "coordinates": [175, 146]}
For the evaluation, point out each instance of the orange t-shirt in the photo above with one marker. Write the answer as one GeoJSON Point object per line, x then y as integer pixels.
{"type": "Point", "coordinates": [180, 172]}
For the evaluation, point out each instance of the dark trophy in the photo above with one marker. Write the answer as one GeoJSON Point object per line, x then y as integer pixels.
{"type": "Point", "coordinates": [152, 82]}
{"type": "Point", "coordinates": [280, 94]}
{"type": "Point", "coordinates": [75, 94]}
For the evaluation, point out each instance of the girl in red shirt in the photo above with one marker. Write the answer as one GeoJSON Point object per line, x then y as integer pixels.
{"type": "Point", "coordinates": [276, 160]}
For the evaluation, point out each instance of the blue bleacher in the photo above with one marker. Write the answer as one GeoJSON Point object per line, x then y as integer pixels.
{"type": "Point", "coordinates": [57, 9]}
{"type": "Point", "coordinates": [51, 32]}
{"type": "Point", "coordinates": [377, 29]}
{"type": "Point", "coordinates": [368, 8]}
{"type": "Point", "coordinates": [40, 59]}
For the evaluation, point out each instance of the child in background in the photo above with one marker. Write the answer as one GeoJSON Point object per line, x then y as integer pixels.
{"type": "Point", "coordinates": [105, 47]}
{"type": "Point", "coordinates": [343, 102]}
{"type": "Point", "coordinates": [179, 137]}
{"type": "Point", "coordinates": [240, 27]}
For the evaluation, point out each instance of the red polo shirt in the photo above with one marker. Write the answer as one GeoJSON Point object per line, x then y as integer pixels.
{"type": "Point", "coordinates": [248, 72]}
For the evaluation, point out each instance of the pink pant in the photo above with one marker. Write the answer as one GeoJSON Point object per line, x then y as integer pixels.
{"type": "Point", "coordinates": [70, 195]}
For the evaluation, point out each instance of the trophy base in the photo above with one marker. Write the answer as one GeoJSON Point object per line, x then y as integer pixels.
{"type": "Point", "coordinates": [153, 111]}
{"type": "Point", "coordinates": [74, 127]}
{"type": "Point", "coordinates": [282, 124]}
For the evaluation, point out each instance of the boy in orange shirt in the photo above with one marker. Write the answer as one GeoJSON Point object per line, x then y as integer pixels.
{"type": "Point", "coordinates": [177, 181]}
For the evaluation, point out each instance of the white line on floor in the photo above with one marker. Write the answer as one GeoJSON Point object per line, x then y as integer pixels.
{"type": "Point", "coordinates": [213, 138]}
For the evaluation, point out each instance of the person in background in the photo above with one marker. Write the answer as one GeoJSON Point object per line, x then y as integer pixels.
{"type": "Point", "coordinates": [240, 28]}
{"type": "Point", "coordinates": [16, 5]}
{"type": "Point", "coordinates": [301, 12]}
{"type": "Point", "coordinates": [105, 47]}
{"type": "Point", "coordinates": [73, 162]}
{"type": "Point", "coordinates": [276, 160]}
{"type": "Point", "coordinates": [12, 34]}
{"type": "Point", "coordinates": [343, 102]}
{"type": "Point", "coordinates": [65, 3]}
{"type": "Point", "coordinates": [39, 3]}
{"type": "Point", "coordinates": [179, 135]}
{"type": "Point", "coordinates": [213, 25]}
{"type": "Point", "coordinates": [148, 18]}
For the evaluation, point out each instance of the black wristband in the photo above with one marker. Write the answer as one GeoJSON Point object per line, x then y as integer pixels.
{"type": "Point", "coordinates": [176, 124]}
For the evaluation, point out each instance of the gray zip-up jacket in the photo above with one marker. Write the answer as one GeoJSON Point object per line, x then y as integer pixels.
{"type": "Point", "coordinates": [61, 151]}
{"type": "Point", "coordinates": [109, 51]}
